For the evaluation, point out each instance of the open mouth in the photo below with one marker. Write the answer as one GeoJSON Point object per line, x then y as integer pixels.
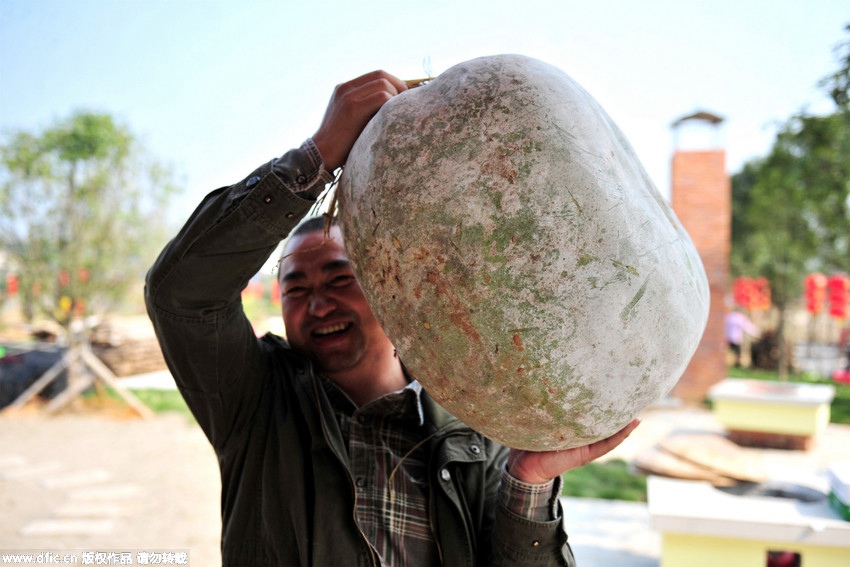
{"type": "Point", "coordinates": [331, 330]}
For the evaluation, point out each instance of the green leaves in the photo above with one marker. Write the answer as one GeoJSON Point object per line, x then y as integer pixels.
{"type": "Point", "coordinates": [791, 208]}
{"type": "Point", "coordinates": [88, 136]}
{"type": "Point", "coordinates": [80, 205]}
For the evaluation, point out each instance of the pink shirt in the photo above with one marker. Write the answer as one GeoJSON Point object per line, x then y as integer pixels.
{"type": "Point", "coordinates": [737, 324]}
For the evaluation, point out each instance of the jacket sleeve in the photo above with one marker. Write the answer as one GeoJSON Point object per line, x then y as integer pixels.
{"type": "Point", "coordinates": [193, 290]}
{"type": "Point", "coordinates": [534, 537]}
{"type": "Point", "coordinates": [520, 541]}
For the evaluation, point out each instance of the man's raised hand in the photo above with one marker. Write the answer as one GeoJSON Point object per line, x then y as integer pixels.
{"type": "Point", "coordinates": [351, 107]}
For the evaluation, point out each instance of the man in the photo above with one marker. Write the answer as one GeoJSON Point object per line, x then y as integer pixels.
{"type": "Point", "coordinates": [329, 453]}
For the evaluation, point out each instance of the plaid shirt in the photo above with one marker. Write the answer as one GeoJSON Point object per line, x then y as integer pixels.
{"type": "Point", "coordinates": [389, 467]}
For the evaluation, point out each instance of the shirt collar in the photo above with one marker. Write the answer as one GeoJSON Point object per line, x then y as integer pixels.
{"type": "Point", "coordinates": [407, 401]}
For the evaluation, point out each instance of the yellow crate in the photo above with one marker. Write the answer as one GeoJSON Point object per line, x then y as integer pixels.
{"type": "Point", "coordinates": [772, 407]}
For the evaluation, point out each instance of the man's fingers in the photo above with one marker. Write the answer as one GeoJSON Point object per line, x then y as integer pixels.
{"type": "Point", "coordinates": [352, 105]}
{"type": "Point", "coordinates": [605, 446]}
{"type": "Point", "coordinates": [365, 100]}
{"type": "Point", "coordinates": [373, 77]}
{"type": "Point", "coordinates": [367, 86]}
{"type": "Point", "coordinates": [536, 468]}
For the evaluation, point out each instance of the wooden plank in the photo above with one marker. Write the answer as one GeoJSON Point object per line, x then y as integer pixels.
{"type": "Point", "coordinates": [716, 453]}
{"type": "Point", "coordinates": [658, 462]}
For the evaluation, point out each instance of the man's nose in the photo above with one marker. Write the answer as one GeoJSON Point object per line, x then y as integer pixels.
{"type": "Point", "coordinates": [321, 305]}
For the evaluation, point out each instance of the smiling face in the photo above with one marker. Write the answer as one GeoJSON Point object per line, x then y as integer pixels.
{"type": "Point", "coordinates": [326, 315]}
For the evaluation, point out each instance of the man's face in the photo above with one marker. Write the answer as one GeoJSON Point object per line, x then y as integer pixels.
{"type": "Point", "coordinates": [325, 312]}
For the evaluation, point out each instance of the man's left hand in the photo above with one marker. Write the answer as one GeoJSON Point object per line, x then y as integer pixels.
{"type": "Point", "coordinates": [539, 468]}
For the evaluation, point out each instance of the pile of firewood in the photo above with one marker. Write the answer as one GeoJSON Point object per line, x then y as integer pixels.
{"type": "Point", "coordinates": [127, 346]}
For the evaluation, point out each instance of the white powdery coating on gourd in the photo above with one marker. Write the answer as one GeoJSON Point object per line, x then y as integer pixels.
{"type": "Point", "coordinates": [519, 257]}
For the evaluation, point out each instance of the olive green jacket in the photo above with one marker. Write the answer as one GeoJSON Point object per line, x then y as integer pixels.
{"type": "Point", "coordinates": [288, 497]}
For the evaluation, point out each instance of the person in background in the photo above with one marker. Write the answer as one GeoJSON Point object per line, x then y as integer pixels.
{"type": "Point", "coordinates": [330, 452]}
{"type": "Point", "coordinates": [738, 325]}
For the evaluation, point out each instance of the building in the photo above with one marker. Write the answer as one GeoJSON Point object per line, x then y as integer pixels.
{"type": "Point", "coordinates": [701, 196]}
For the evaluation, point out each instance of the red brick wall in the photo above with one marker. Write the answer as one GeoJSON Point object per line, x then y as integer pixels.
{"type": "Point", "coordinates": [701, 196]}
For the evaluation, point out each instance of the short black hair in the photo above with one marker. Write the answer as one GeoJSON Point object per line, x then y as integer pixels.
{"type": "Point", "coordinates": [310, 224]}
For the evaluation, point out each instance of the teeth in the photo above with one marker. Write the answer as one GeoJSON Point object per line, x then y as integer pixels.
{"type": "Point", "coordinates": [332, 329]}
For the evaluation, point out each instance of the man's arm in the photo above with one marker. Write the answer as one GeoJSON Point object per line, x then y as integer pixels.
{"type": "Point", "coordinates": [193, 291]}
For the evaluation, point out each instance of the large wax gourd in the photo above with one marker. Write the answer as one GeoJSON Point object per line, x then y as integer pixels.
{"type": "Point", "coordinates": [518, 255]}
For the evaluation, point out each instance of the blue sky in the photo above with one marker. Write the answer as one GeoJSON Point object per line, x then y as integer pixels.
{"type": "Point", "coordinates": [214, 88]}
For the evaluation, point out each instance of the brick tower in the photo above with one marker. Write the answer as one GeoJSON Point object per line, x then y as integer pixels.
{"type": "Point", "coordinates": [701, 196]}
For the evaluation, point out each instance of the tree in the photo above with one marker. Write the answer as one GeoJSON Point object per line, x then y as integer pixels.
{"type": "Point", "coordinates": [791, 207]}
{"type": "Point", "coordinates": [837, 84]}
{"type": "Point", "coordinates": [80, 202]}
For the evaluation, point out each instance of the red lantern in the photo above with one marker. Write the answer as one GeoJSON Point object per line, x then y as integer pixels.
{"type": "Point", "coordinates": [12, 283]}
{"type": "Point", "coordinates": [815, 291]}
{"type": "Point", "coordinates": [838, 287]}
{"type": "Point", "coordinates": [742, 292]}
{"type": "Point", "coordinates": [762, 300]}
{"type": "Point", "coordinates": [753, 294]}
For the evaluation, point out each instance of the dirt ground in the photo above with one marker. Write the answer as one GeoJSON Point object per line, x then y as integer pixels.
{"type": "Point", "coordinates": [97, 482]}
